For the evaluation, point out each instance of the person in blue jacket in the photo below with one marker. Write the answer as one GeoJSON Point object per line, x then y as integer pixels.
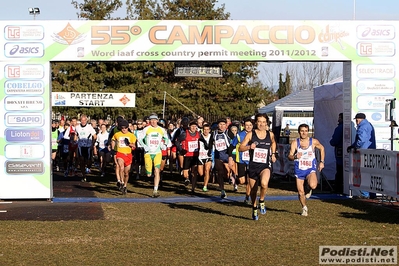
{"type": "Point", "coordinates": [365, 139]}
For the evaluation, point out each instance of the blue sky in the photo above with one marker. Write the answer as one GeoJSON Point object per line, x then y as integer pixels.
{"type": "Point", "coordinates": [239, 9]}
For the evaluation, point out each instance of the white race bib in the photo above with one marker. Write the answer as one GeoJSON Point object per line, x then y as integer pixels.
{"type": "Point", "coordinates": [260, 155]}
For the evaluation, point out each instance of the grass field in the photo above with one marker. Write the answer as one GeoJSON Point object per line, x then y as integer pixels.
{"type": "Point", "coordinates": [218, 233]}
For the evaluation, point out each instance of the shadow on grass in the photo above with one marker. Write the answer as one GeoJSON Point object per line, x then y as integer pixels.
{"type": "Point", "coordinates": [370, 210]}
{"type": "Point", "coordinates": [198, 208]}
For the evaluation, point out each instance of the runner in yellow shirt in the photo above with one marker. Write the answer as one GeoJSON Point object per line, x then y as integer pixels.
{"type": "Point", "coordinates": [125, 142]}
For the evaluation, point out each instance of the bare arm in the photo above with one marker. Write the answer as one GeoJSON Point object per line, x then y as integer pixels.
{"type": "Point", "coordinates": [244, 144]}
{"type": "Point", "coordinates": [291, 155]}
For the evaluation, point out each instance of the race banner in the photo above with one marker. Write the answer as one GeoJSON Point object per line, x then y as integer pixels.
{"type": "Point", "coordinates": [93, 99]}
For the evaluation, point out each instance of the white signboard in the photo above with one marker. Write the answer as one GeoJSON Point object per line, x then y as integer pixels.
{"type": "Point", "coordinates": [375, 171]}
{"type": "Point", "coordinates": [94, 99]}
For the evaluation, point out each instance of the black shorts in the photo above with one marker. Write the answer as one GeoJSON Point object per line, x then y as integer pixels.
{"type": "Point", "coordinates": [84, 152]}
{"type": "Point", "coordinates": [242, 169]}
{"type": "Point", "coordinates": [138, 156]}
{"type": "Point", "coordinates": [64, 155]}
{"type": "Point", "coordinates": [189, 162]}
{"type": "Point", "coordinates": [204, 161]}
{"type": "Point", "coordinates": [255, 170]}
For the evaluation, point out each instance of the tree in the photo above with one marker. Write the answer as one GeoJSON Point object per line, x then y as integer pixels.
{"type": "Point", "coordinates": [284, 87]}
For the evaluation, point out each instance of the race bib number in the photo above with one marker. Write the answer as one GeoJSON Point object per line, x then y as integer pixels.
{"type": "Point", "coordinates": [260, 155]}
{"type": "Point", "coordinates": [305, 164]}
{"type": "Point", "coordinates": [153, 142]}
{"type": "Point", "coordinates": [192, 146]}
{"type": "Point", "coordinates": [203, 155]}
{"type": "Point", "coordinates": [245, 156]}
{"type": "Point", "coordinates": [220, 145]}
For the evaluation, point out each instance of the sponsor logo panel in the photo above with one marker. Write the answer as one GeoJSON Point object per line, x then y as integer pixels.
{"type": "Point", "coordinates": [24, 151]}
{"type": "Point", "coordinates": [24, 50]}
{"type": "Point", "coordinates": [382, 71]}
{"type": "Point", "coordinates": [24, 71]}
{"type": "Point", "coordinates": [23, 32]}
{"type": "Point", "coordinates": [24, 87]}
{"type": "Point", "coordinates": [28, 135]}
{"type": "Point", "coordinates": [375, 32]}
{"type": "Point", "coordinates": [372, 102]}
{"type": "Point", "coordinates": [24, 119]}
{"type": "Point", "coordinates": [68, 36]}
{"type": "Point", "coordinates": [24, 103]}
{"type": "Point", "coordinates": [372, 49]}
{"type": "Point", "coordinates": [24, 167]}
{"type": "Point", "coordinates": [376, 86]}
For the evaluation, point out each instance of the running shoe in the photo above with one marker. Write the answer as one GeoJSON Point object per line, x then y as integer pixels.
{"type": "Point", "coordinates": [235, 188]}
{"type": "Point", "coordinates": [84, 179]}
{"type": "Point", "coordinates": [121, 186]}
{"type": "Point", "coordinates": [186, 182]}
{"type": "Point", "coordinates": [223, 194]}
{"type": "Point", "coordinates": [205, 189]}
{"type": "Point", "coordinates": [124, 190]}
{"type": "Point", "coordinates": [262, 207]}
{"type": "Point", "coordinates": [102, 174]}
{"type": "Point", "coordinates": [255, 215]}
{"type": "Point", "coordinates": [308, 194]}
{"type": "Point", "coordinates": [248, 201]}
{"type": "Point", "coordinates": [118, 184]}
{"type": "Point", "coordinates": [305, 211]}
{"type": "Point", "coordinates": [155, 194]}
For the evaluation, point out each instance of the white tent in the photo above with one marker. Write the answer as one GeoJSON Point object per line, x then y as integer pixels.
{"type": "Point", "coordinates": [328, 103]}
{"type": "Point", "coordinates": [299, 101]}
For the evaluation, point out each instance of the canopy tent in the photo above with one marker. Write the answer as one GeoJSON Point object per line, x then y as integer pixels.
{"type": "Point", "coordinates": [299, 101]}
{"type": "Point", "coordinates": [295, 102]}
{"type": "Point", "coordinates": [328, 103]}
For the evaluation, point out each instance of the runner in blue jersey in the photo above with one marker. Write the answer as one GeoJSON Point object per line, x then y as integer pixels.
{"type": "Point", "coordinates": [220, 141]}
{"type": "Point", "coordinates": [242, 159]}
{"type": "Point", "coordinates": [302, 151]}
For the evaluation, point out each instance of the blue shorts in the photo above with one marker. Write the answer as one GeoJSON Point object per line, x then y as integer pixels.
{"type": "Point", "coordinates": [304, 173]}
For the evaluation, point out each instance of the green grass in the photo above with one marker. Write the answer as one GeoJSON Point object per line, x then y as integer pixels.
{"type": "Point", "coordinates": [197, 233]}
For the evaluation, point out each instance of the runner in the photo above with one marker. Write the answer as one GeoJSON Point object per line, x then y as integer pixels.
{"type": "Point", "coordinates": [242, 159]}
{"type": "Point", "coordinates": [221, 141]}
{"type": "Point", "coordinates": [205, 158]}
{"type": "Point", "coordinates": [151, 140]}
{"type": "Point", "coordinates": [124, 142]}
{"type": "Point", "coordinates": [262, 148]}
{"type": "Point", "coordinates": [303, 153]}
{"type": "Point", "coordinates": [54, 144]}
{"type": "Point", "coordinates": [187, 145]}
{"type": "Point", "coordinates": [114, 129]}
{"type": "Point", "coordinates": [103, 150]}
{"type": "Point", "coordinates": [86, 139]}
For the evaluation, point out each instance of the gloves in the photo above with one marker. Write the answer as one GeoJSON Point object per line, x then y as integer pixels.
{"type": "Point", "coordinates": [127, 142]}
{"type": "Point", "coordinates": [183, 152]}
